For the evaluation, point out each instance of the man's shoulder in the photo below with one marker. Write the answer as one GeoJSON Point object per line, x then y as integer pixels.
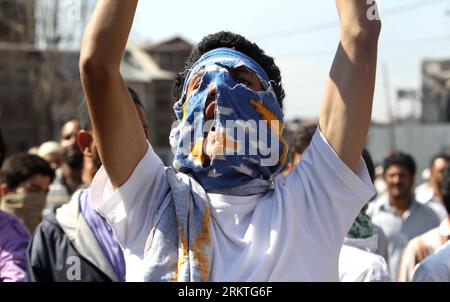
{"type": "Point", "coordinates": [49, 224]}
{"type": "Point", "coordinates": [438, 262]}
{"type": "Point", "coordinates": [6, 219]}
{"type": "Point", "coordinates": [426, 211]}
{"type": "Point", "coordinates": [12, 228]}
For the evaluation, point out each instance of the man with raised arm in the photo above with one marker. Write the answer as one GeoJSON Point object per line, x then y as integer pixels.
{"type": "Point", "coordinates": [222, 213]}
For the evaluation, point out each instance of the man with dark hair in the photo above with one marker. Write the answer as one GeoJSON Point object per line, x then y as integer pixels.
{"type": "Point", "coordinates": [398, 213]}
{"type": "Point", "coordinates": [76, 230]}
{"type": "Point", "coordinates": [24, 186]}
{"type": "Point", "coordinates": [299, 140]}
{"type": "Point", "coordinates": [14, 239]}
{"type": "Point", "coordinates": [239, 43]}
{"type": "Point", "coordinates": [427, 244]}
{"type": "Point", "coordinates": [68, 175]}
{"type": "Point", "coordinates": [436, 268]}
{"type": "Point", "coordinates": [429, 192]}
{"type": "Point", "coordinates": [221, 213]}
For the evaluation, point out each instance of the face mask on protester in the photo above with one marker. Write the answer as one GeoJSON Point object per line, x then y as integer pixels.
{"type": "Point", "coordinates": [27, 207]}
{"type": "Point", "coordinates": [73, 157]}
{"type": "Point", "coordinates": [248, 124]}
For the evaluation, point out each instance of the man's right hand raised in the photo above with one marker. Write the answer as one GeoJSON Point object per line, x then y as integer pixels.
{"type": "Point", "coordinates": [119, 134]}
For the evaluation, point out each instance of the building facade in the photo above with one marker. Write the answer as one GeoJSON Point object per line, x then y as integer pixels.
{"type": "Point", "coordinates": [40, 90]}
{"type": "Point", "coordinates": [17, 24]}
{"type": "Point", "coordinates": [436, 91]}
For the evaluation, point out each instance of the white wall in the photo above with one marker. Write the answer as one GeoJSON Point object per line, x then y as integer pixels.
{"type": "Point", "coordinates": [420, 141]}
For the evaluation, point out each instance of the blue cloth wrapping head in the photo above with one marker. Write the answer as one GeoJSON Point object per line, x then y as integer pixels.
{"type": "Point", "coordinates": [248, 127]}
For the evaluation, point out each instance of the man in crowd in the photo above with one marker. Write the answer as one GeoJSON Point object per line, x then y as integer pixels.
{"type": "Point", "coordinates": [436, 268]}
{"type": "Point", "coordinates": [76, 231]}
{"type": "Point", "coordinates": [14, 239]}
{"type": "Point", "coordinates": [68, 176]}
{"type": "Point", "coordinates": [299, 140]}
{"type": "Point", "coordinates": [425, 245]}
{"type": "Point", "coordinates": [429, 192]}
{"type": "Point", "coordinates": [25, 181]}
{"type": "Point", "coordinates": [398, 213]}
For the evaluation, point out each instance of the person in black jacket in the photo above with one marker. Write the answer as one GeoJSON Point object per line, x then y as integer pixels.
{"type": "Point", "coordinates": [74, 243]}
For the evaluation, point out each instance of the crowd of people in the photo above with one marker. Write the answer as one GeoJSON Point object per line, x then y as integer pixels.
{"type": "Point", "coordinates": [99, 205]}
{"type": "Point", "coordinates": [40, 229]}
{"type": "Point", "coordinates": [400, 229]}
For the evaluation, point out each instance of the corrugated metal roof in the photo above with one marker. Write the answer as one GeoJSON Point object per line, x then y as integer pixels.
{"type": "Point", "coordinates": [169, 45]}
{"type": "Point", "coordinates": [138, 65]}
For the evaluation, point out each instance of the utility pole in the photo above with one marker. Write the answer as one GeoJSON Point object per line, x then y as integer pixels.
{"type": "Point", "coordinates": [389, 107]}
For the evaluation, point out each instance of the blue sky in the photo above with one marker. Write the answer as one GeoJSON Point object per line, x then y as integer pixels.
{"type": "Point", "coordinates": [420, 29]}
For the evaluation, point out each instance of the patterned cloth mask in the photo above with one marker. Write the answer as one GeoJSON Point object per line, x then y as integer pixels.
{"type": "Point", "coordinates": [248, 128]}
{"type": "Point", "coordinates": [362, 227]}
{"type": "Point", "coordinates": [179, 249]}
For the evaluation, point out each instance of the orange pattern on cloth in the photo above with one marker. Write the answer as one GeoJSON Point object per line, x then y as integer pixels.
{"type": "Point", "coordinates": [270, 117]}
{"type": "Point", "coordinates": [197, 152]}
{"type": "Point", "coordinates": [202, 239]}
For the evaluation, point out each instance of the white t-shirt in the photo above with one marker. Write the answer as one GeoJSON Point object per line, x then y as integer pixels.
{"type": "Point", "coordinates": [359, 263]}
{"type": "Point", "coordinates": [292, 234]}
{"type": "Point", "coordinates": [424, 193]}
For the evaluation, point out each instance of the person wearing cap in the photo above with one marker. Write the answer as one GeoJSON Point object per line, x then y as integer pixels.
{"type": "Point", "coordinates": [51, 151]}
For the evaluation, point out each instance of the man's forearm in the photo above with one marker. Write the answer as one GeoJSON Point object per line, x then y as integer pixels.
{"type": "Point", "coordinates": [355, 22]}
{"type": "Point", "coordinates": [347, 107]}
{"type": "Point", "coordinates": [107, 33]}
{"type": "Point", "coordinates": [118, 131]}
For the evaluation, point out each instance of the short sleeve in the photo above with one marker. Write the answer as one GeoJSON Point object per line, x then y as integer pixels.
{"type": "Point", "coordinates": [326, 194]}
{"type": "Point", "coordinates": [131, 209]}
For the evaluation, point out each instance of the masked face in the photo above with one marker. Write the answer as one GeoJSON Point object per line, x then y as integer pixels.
{"type": "Point", "coordinates": [230, 123]}
{"type": "Point", "coordinates": [27, 207]}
